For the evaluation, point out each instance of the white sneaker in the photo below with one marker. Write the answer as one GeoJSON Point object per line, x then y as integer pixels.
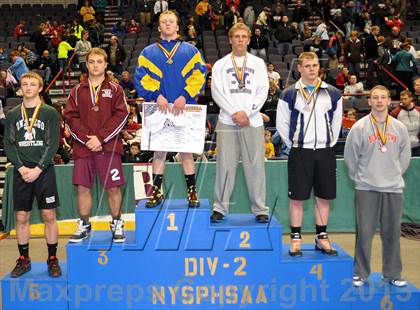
{"type": "Point", "coordinates": [400, 282]}
{"type": "Point", "coordinates": [117, 228]}
{"type": "Point", "coordinates": [358, 281]}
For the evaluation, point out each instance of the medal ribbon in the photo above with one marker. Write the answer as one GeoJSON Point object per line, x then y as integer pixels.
{"type": "Point", "coordinates": [382, 135]}
{"type": "Point", "coordinates": [29, 126]}
{"type": "Point", "coordinates": [170, 54]}
{"type": "Point", "coordinates": [94, 93]}
{"type": "Point", "coordinates": [308, 97]}
{"type": "Point", "coordinates": [239, 72]}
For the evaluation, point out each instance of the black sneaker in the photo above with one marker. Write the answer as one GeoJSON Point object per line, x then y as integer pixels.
{"type": "Point", "coordinates": [155, 199]}
{"type": "Point", "coordinates": [117, 228]}
{"type": "Point", "coordinates": [81, 233]}
{"type": "Point", "coordinates": [216, 217]}
{"type": "Point", "coordinates": [261, 218]}
{"type": "Point", "coordinates": [192, 196]}
{"type": "Point", "coordinates": [54, 269]}
{"type": "Point", "coordinates": [23, 265]}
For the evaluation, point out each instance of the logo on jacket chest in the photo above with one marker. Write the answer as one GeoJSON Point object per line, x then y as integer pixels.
{"type": "Point", "coordinates": [106, 93]}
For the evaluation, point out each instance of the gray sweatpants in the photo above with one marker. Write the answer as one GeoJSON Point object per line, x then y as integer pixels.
{"type": "Point", "coordinates": [386, 208]}
{"type": "Point", "coordinates": [235, 143]}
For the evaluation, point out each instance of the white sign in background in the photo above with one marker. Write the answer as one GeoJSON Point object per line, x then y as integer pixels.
{"type": "Point", "coordinates": [167, 132]}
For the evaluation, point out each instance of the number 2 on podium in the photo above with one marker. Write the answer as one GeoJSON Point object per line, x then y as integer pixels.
{"type": "Point", "coordinates": [171, 227]}
{"type": "Point", "coordinates": [317, 269]}
{"type": "Point", "coordinates": [244, 235]}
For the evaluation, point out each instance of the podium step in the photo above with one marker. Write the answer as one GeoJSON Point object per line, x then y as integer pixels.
{"type": "Point", "coordinates": [35, 290]}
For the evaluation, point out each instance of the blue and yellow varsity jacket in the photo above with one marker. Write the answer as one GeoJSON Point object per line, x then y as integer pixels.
{"type": "Point", "coordinates": [185, 76]}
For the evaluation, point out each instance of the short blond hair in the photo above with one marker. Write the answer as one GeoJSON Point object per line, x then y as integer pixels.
{"type": "Point", "coordinates": [379, 87]}
{"type": "Point", "coordinates": [307, 56]}
{"type": "Point", "coordinates": [169, 12]}
{"type": "Point", "coordinates": [32, 75]}
{"type": "Point", "coordinates": [96, 51]}
{"type": "Point", "coordinates": [237, 27]}
{"type": "Point", "coordinates": [406, 92]}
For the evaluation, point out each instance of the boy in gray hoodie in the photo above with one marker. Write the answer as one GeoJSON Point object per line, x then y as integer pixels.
{"type": "Point", "coordinates": [377, 153]}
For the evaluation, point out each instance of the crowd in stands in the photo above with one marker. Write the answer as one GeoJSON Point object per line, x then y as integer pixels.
{"type": "Point", "coordinates": [360, 44]}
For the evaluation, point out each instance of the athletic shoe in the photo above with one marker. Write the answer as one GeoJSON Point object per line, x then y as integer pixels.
{"type": "Point", "coordinates": [216, 217]}
{"type": "Point", "coordinates": [261, 218]}
{"type": "Point", "coordinates": [23, 265]}
{"type": "Point", "coordinates": [155, 199]}
{"type": "Point", "coordinates": [358, 281]}
{"type": "Point", "coordinates": [192, 196]}
{"type": "Point", "coordinates": [117, 228]}
{"type": "Point", "coordinates": [323, 244]}
{"type": "Point", "coordinates": [54, 269]}
{"type": "Point", "coordinates": [400, 282]}
{"type": "Point", "coordinates": [295, 245]}
{"type": "Point", "coordinates": [81, 233]}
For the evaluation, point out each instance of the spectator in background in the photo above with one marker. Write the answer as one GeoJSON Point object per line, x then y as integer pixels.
{"type": "Point", "coordinates": [82, 47]}
{"type": "Point", "coordinates": [263, 20]}
{"type": "Point", "coordinates": [259, 44]}
{"type": "Point", "coordinates": [249, 15]}
{"type": "Point", "coordinates": [416, 87]}
{"type": "Point", "coordinates": [235, 3]}
{"type": "Point", "coordinates": [192, 38]}
{"type": "Point", "coordinates": [133, 27]}
{"type": "Point", "coordinates": [3, 57]}
{"type": "Point", "coordinates": [116, 55]}
{"type": "Point", "coordinates": [87, 12]}
{"type": "Point", "coordinates": [128, 85]}
{"type": "Point", "coordinates": [63, 54]}
{"type": "Point", "coordinates": [371, 54]}
{"type": "Point", "coordinates": [268, 145]}
{"type": "Point", "coordinates": [45, 62]}
{"type": "Point", "coordinates": [231, 17]}
{"type": "Point", "coordinates": [76, 29]}
{"type": "Point", "coordinates": [64, 148]}
{"type": "Point", "coordinates": [40, 38]}
{"type": "Point", "coordinates": [159, 7]}
{"type": "Point", "coordinates": [273, 75]}
{"type": "Point", "coordinates": [300, 14]}
{"type": "Point", "coordinates": [30, 57]}
{"type": "Point", "coordinates": [283, 36]}
{"type": "Point", "coordinates": [409, 114]}
{"type": "Point", "coordinates": [275, 18]}
{"type": "Point", "coordinates": [131, 132]}
{"type": "Point", "coordinates": [134, 156]}
{"type": "Point", "coordinates": [135, 112]}
{"type": "Point", "coordinates": [321, 31]}
{"type": "Point", "coordinates": [202, 11]}
{"type": "Point", "coordinates": [348, 18]}
{"type": "Point", "coordinates": [19, 30]}
{"type": "Point", "coordinates": [348, 121]}
{"type": "Point", "coordinates": [353, 53]}
{"type": "Point", "coordinates": [335, 49]}
{"type": "Point", "coordinates": [314, 46]}
{"type": "Point", "coordinates": [343, 78]}
{"type": "Point", "coordinates": [394, 22]}
{"type": "Point", "coordinates": [120, 27]}
{"type": "Point", "coordinates": [145, 7]}
{"type": "Point", "coordinates": [306, 32]}
{"type": "Point", "coordinates": [353, 87]}
{"type": "Point", "coordinates": [19, 66]}
{"type": "Point", "coordinates": [397, 39]}
{"type": "Point", "coordinates": [405, 66]}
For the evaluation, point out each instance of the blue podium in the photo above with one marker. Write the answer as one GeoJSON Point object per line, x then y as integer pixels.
{"type": "Point", "coordinates": [177, 259]}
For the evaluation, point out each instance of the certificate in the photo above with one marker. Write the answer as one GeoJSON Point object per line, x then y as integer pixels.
{"type": "Point", "coordinates": [167, 132]}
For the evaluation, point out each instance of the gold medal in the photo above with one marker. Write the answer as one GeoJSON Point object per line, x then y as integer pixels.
{"type": "Point", "coordinates": [170, 54]}
{"type": "Point", "coordinates": [29, 125]}
{"type": "Point", "coordinates": [239, 72]}
{"type": "Point", "coordinates": [94, 93]}
{"type": "Point", "coordinates": [382, 134]}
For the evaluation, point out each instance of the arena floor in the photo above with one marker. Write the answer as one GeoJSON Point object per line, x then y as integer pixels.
{"type": "Point", "coordinates": [410, 250]}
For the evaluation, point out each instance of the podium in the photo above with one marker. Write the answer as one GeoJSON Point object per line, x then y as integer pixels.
{"type": "Point", "coordinates": [177, 259]}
